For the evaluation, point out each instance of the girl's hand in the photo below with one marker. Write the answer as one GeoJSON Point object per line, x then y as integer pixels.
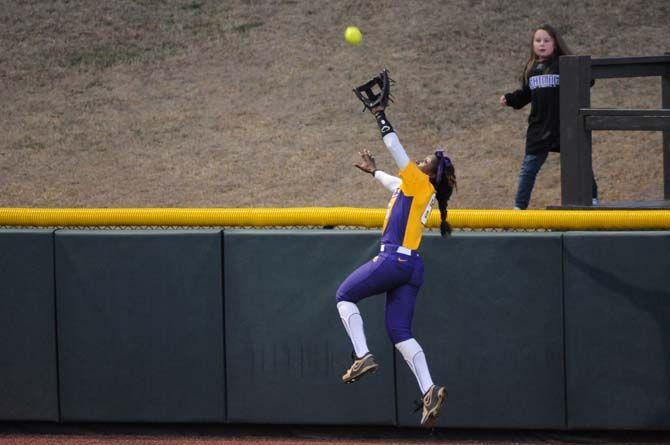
{"type": "Point", "coordinates": [368, 164]}
{"type": "Point", "coordinates": [503, 101]}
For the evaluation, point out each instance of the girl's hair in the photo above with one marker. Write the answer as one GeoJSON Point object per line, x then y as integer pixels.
{"type": "Point", "coordinates": [444, 182]}
{"type": "Point", "coordinates": [560, 49]}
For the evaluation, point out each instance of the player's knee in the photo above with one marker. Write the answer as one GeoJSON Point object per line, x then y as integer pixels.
{"type": "Point", "coordinates": [398, 334]}
{"type": "Point", "coordinates": [342, 294]}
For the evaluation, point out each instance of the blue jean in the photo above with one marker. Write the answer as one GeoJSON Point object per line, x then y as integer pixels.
{"type": "Point", "coordinates": [529, 168]}
{"type": "Point", "coordinates": [398, 275]}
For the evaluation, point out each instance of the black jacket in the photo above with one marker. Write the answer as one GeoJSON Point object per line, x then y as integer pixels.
{"type": "Point", "coordinates": [542, 91]}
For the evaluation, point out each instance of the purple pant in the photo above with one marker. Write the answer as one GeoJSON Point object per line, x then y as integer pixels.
{"type": "Point", "coordinates": [400, 276]}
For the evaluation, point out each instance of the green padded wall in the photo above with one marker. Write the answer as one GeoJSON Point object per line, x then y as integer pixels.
{"type": "Point", "coordinates": [617, 304]}
{"type": "Point", "coordinates": [490, 320]}
{"type": "Point", "coordinates": [28, 369]}
{"type": "Point", "coordinates": [286, 347]}
{"type": "Point", "coordinates": [140, 326]}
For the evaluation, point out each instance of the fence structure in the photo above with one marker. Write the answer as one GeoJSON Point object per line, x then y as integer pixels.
{"type": "Point", "coordinates": [326, 217]}
{"type": "Point", "coordinates": [542, 330]}
{"type": "Point", "coordinates": [578, 119]}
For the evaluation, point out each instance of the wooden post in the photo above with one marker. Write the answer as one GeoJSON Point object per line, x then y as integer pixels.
{"type": "Point", "coordinates": [665, 103]}
{"type": "Point", "coordinates": [576, 171]}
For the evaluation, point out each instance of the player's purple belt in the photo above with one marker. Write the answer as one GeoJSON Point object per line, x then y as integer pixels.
{"type": "Point", "coordinates": [394, 248]}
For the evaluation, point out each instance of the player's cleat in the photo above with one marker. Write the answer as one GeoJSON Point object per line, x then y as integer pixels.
{"type": "Point", "coordinates": [360, 367]}
{"type": "Point", "coordinates": [432, 403]}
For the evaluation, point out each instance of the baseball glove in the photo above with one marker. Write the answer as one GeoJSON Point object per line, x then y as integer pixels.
{"type": "Point", "coordinates": [376, 93]}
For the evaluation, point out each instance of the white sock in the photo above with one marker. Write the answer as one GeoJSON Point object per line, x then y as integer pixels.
{"type": "Point", "coordinates": [353, 323]}
{"type": "Point", "coordinates": [416, 359]}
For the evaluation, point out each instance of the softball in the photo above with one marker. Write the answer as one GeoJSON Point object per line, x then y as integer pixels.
{"type": "Point", "coordinates": [353, 35]}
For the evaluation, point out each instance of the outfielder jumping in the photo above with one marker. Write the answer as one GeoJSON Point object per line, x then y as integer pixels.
{"type": "Point", "coordinates": [398, 269]}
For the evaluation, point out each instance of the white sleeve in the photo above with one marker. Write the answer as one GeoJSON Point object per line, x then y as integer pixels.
{"type": "Point", "coordinates": [389, 181]}
{"type": "Point", "coordinates": [397, 151]}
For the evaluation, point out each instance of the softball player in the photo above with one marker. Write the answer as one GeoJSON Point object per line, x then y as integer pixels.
{"type": "Point", "coordinates": [398, 269]}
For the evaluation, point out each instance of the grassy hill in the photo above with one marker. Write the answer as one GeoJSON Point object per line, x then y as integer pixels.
{"type": "Point", "coordinates": [200, 103]}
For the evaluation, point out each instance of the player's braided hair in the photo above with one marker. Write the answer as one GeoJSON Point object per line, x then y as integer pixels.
{"type": "Point", "coordinates": [444, 182]}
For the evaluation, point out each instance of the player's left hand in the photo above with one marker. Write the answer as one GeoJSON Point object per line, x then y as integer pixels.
{"type": "Point", "coordinates": [367, 164]}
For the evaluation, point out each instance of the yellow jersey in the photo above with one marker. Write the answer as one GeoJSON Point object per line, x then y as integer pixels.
{"type": "Point", "coordinates": [408, 209]}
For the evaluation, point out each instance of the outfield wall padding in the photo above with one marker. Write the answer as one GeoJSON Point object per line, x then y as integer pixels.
{"type": "Point", "coordinates": [140, 326]}
{"type": "Point", "coordinates": [526, 330]}
{"type": "Point", "coordinates": [489, 318]}
{"type": "Point", "coordinates": [286, 347]}
{"type": "Point", "coordinates": [28, 369]}
{"type": "Point", "coordinates": [617, 302]}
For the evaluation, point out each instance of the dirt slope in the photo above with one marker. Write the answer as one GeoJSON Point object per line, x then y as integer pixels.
{"type": "Point", "coordinates": [247, 103]}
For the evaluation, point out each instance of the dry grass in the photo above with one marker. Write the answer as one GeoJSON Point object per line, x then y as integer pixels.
{"type": "Point", "coordinates": [200, 103]}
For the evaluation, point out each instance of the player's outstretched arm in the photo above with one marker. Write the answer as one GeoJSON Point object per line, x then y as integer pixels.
{"type": "Point", "coordinates": [390, 182]}
{"type": "Point", "coordinates": [369, 165]}
{"type": "Point", "coordinates": [376, 95]}
{"type": "Point", "coordinates": [390, 138]}
{"type": "Point", "coordinates": [396, 149]}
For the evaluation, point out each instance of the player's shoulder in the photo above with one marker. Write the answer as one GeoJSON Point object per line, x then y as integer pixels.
{"type": "Point", "coordinates": [411, 175]}
{"type": "Point", "coordinates": [410, 169]}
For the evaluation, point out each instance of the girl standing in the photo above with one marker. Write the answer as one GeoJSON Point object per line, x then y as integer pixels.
{"type": "Point", "coordinates": [398, 269]}
{"type": "Point", "coordinates": [540, 86]}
